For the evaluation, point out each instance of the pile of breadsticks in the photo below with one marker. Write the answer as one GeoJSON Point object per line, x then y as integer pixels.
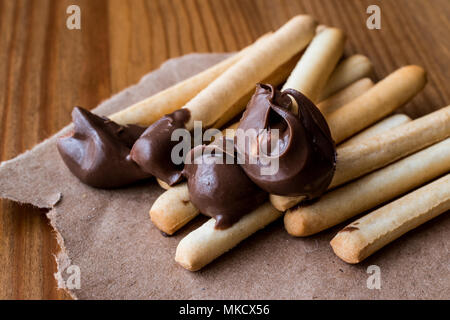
{"type": "Point", "coordinates": [379, 157]}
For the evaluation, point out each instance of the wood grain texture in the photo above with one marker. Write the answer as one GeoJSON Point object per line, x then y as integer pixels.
{"type": "Point", "coordinates": [46, 69]}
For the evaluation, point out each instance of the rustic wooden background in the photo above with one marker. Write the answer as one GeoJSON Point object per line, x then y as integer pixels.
{"type": "Point", "coordinates": [46, 69]}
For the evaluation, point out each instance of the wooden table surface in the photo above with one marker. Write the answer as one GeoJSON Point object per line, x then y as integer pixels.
{"type": "Point", "coordinates": [46, 69]}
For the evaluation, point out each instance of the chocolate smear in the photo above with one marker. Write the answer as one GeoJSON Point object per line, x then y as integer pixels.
{"type": "Point", "coordinates": [97, 151]}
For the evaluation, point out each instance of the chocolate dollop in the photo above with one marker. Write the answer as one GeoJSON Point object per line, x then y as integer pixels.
{"type": "Point", "coordinates": [152, 151]}
{"type": "Point", "coordinates": [97, 151]}
{"type": "Point", "coordinates": [306, 152]}
{"type": "Point", "coordinates": [218, 186]}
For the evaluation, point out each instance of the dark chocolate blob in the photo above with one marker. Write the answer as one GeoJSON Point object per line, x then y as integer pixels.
{"type": "Point", "coordinates": [219, 187]}
{"type": "Point", "coordinates": [97, 151]}
{"type": "Point", "coordinates": [152, 151]}
{"type": "Point", "coordinates": [306, 154]}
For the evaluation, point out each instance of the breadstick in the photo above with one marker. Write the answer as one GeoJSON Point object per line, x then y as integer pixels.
{"type": "Point", "coordinates": [379, 127]}
{"type": "Point", "coordinates": [173, 208]}
{"type": "Point", "coordinates": [376, 152]}
{"type": "Point", "coordinates": [348, 71]}
{"type": "Point", "coordinates": [369, 191]}
{"type": "Point", "coordinates": [344, 96]}
{"type": "Point", "coordinates": [264, 58]}
{"type": "Point", "coordinates": [355, 160]}
{"type": "Point", "coordinates": [317, 63]}
{"type": "Point", "coordinates": [383, 98]}
{"type": "Point", "coordinates": [206, 243]}
{"type": "Point", "coordinates": [277, 77]}
{"type": "Point", "coordinates": [367, 235]}
{"type": "Point", "coordinates": [149, 110]}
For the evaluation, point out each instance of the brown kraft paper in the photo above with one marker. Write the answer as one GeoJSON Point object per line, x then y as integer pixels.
{"type": "Point", "coordinates": [121, 255]}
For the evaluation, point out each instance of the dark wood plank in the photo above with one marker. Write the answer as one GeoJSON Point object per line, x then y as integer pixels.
{"type": "Point", "coordinates": [46, 69]}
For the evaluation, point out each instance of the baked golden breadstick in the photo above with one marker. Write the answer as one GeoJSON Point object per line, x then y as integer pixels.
{"type": "Point", "coordinates": [206, 243]}
{"type": "Point", "coordinates": [344, 96]}
{"type": "Point", "coordinates": [173, 209]}
{"type": "Point", "coordinates": [360, 158]}
{"type": "Point", "coordinates": [369, 191]}
{"type": "Point", "coordinates": [348, 71]}
{"type": "Point", "coordinates": [263, 59]}
{"type": "Point", "coordinates": [383, 98]}
{"type": "Point", "coordinates": [379, 127]}
{"type": "Point", "coordinates": [149, 110]}
{"type": "Point", "coordinates": [369, 234]}
{"type": "Point", "coordinates": [317, 63]}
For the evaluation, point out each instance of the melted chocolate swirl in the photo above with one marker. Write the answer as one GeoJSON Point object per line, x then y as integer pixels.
{"type": "Point", "coordinates": [306, 152]}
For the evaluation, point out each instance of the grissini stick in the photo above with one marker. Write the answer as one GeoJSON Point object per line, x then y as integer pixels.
{"type": "Point", "coordinates": [264, 58]}
{"type": "Point", "coordinates": [369, 191]}
{"type": "Point", "coordinates": [172, 209]}
{"type": "Point", "coordinates": [206, 243]}
{"type": "Point", "coordinates": [356, 160]}
{"type": "Point", "coordinates": [317, 63]}
{"type": "Point", "coordinates": [369, 234]}
{"type": "Point", "coordinates": [383, 98]}
{"type": "Point", "coordinates": [149, 110]}
{"type": "Point", "coordinates": [378, 151]}
{"type": "Point", "coordinates": [344, 96]}
{"type": "Point", "coordinates": [348, 71]}
{"type": "Point", "coordinates": [379, 127]}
